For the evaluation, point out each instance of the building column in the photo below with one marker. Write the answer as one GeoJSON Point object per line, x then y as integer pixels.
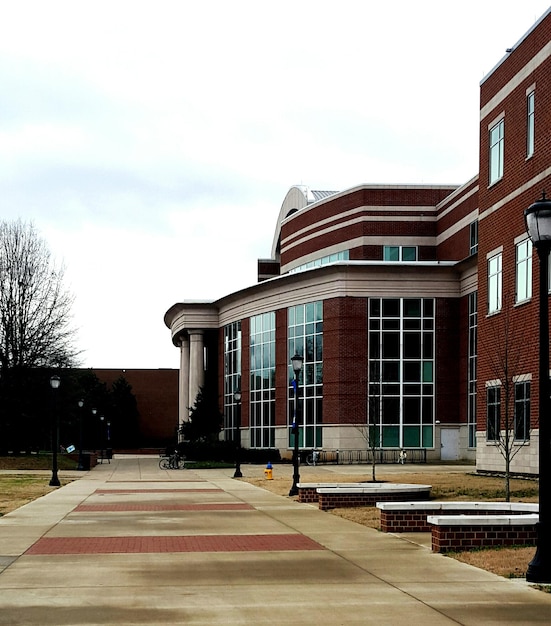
{"type": "Point", "coordinates": [196, 364]}
{"type": "Point", "coordinates": [183, 395]}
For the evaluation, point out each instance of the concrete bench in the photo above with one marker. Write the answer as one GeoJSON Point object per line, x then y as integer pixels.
{"type": "Point", "coordinates": [369, 495]}
{"type": "Point", "coordinates": [401, 517]}
{"type": "Point", "coordinates": [454, 533]}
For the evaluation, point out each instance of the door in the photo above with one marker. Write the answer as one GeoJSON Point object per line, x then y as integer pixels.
{"type": "Point", "coordinates": [449, 443]}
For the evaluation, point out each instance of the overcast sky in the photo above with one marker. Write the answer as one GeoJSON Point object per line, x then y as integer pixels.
{"type": "Point", "coordinates": [152, 143]}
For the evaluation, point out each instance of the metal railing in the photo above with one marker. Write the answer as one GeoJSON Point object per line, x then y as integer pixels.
{"type": "Point", "coordinates": [382, 455]}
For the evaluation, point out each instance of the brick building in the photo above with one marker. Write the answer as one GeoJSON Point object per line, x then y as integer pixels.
{"type": "Point", "coordinates": [403, 300]}
{"type": "Point", "coordinates": [156, 393]}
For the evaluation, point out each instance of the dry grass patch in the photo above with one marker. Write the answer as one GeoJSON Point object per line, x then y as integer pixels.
{"type": "Point", "coordinates": [507, 562]}
{"type": "Point", "coordinates": [17, 490]}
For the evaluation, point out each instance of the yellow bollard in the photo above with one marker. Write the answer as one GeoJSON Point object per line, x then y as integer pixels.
{"type": "Point", "coordinates": [268, 472]}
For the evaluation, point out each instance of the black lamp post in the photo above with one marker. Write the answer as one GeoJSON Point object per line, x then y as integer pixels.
{"type": "Point", "coordinates": [80, 456]}
{"type": "Point", "coordinates": [55, 381]}
{"type": "Point", "coordinates": [296, 362]}
{"type": "Point", "coordinates": [102, 436]}
{"type": "Point", "coordinates": [538, 226]}
{"type": "Point", "coordinates": [237, 433]}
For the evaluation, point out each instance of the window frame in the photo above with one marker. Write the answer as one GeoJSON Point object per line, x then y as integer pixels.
{"type": "Point", "coordinates": [522, 406]}
{"type": "Point", "coordinates": [495, 283]}
{"type": "Point", "coordinates": [493, 413]}
{"type": "Point", "coordinates": [523, 271]}
{"type": "Point", "coordinates": [400, 250]}
{"type": "Point", "coordinates": [530, 123]}
{"type": "Point", "coordinates": [473, 237]}
{"type": "Point", "coordinates": [496, 151]}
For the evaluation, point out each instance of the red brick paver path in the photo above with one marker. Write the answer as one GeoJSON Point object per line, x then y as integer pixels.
{"type": "Point", "coordinates": [200, 543]}
{"type": "Point", "coordinates": [160, 506]}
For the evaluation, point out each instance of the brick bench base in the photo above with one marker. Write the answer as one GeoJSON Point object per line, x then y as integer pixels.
{"type": "Point", "coordinates": [407, 517]}
{"type": "Point", "coordinates": [458, 533]}
{"type": "Point", "coordinates": [335, 498]}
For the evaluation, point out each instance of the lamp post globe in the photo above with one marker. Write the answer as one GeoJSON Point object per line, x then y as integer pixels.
{"type": "Point", "coordinates": [296, 363]}
{"type": "Point", "coordinates": [55, 382]}
{"type": "Point", "coordinates": [538, 225]}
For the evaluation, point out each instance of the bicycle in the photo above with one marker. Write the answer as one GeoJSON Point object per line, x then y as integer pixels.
{"type": "Point", "coordinates": [174, 461]}
{"type": "Point", "coordinates": [313, 458]}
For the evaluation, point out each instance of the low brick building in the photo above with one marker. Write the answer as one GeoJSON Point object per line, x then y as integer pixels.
{"type": "Point", "coordinates": [156, 392]}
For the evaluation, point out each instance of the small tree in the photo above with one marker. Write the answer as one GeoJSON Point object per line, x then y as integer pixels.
{"type": "Point", "coordinates": [506, 428]}
{"type": "Point", "coordinates": [125, 415]}
{"type": "Point", "coordinates": [370, 430]}
{"type": "Point", "coordinates": [205, 420]}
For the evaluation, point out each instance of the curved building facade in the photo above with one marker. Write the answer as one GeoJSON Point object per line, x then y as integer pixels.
{"type": "Point", "coordinates": [404, 301]}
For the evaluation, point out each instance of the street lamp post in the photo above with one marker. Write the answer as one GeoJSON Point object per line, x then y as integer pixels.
{"type": "Point", "coordinates": [296, 362]}
{"type": "Point", "coordinates": [55, 381]}
{"type": "Point", "coordinates": [538, 226]}
{"type": "Point", "coordinates": [80, 455]}
{"type": "Point", "coordinates": [237, 433]}
{"type": "Point", "coordinates": [102, 437]}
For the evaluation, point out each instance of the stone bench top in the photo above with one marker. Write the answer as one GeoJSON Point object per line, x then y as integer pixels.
{"type": "Point", "coordinates": [483, 520]}
{"type": "Point", "coordinates": [375, 488]}
{"type": "Point", "coordinates": [527, 507]}
{"type": "Point", "coordinates": [331, 485]}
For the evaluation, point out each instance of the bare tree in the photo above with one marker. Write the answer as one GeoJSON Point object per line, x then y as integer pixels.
{"type": "Point", "coordinates": [35, 308]}
{"type": "Point", "coordinates": [370, 430]}
{"type": "Point", "coordinates": [507, 427]}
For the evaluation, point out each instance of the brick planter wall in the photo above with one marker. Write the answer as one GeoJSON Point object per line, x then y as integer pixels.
{"type": "Point", "coordinates": [408, 521]}
{"type": "Point", "coordinates": [458, 538]}
{"type": "Point", "coordinates": [343, 498]}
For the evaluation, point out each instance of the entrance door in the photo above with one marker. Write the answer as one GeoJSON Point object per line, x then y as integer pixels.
{"type": "Point", "coordinates": [449, 438]}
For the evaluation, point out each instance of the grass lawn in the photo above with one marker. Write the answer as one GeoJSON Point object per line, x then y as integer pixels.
{"type": "Point", "coordinates": [19, 489]}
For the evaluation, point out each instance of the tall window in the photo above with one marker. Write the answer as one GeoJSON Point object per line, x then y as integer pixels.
{"type": "Point", "coordinates": [305, 332]}
{"type": "Point", "coordinates": [262, 407]}
{"type": "Point", "coordinates": [473, 246]}
{"type": "Point", "coordinates": [472, 367]}
{"type": "Point", "coordinates": [524, 270]}
{"type": "Point", "coordinates": [496, 151]}
{"type": "Point", "coordinates": [522, 411]}
{"type": "Point", "coordinates": [401, 370]}
{"type": "Point", "coordinates": [494, 283]}
{"type": "Point", "coordinates": [232, 375]}
{"type": "Point", "coordinates": [493, 413]}
{"type": "Point", "coordinates": [530, 123]}
{"type": "Point", "coordinates": [400, 253]}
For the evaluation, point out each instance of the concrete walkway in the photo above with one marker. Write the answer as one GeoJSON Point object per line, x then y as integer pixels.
{"type": "Point", "coordinates": [129, 543]}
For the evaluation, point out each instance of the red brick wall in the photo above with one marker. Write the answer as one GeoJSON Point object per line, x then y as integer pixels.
{"type": "Point", "coordinates": [345, 360]}
{"type": "Point", "coordinates": [156, 394]}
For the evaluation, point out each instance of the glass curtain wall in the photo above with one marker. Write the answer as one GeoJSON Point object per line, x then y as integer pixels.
{"type": "Point", "coordinates": [305, 337]}
{"type": "Point", "coordinates": [232, 376]}
{"type": "Point", "coordinates": [401, 371]}
{"type": "Point", "coordinates": [263, 363]}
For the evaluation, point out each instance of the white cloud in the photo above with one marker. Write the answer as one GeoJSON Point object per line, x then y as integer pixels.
{"type": "Point", "coordinates": [153, 142]}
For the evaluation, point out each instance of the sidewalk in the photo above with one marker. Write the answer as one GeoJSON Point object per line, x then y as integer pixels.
{"type": "Point", "coordinates": [128, 543]}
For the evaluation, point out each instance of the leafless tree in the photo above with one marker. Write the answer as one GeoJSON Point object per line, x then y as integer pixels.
{"type": "Point", "coordinates": [370, 430]}
{"type": "Point", "coordinates": [35, 308]}
{"type": "Point", "coordinates": [507, 429]}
